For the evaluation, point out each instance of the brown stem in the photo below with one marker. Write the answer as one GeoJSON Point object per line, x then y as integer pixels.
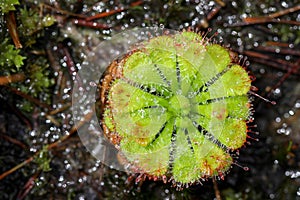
{"type": "Point", "coordinates": [58, 110]}
{"type": "Point", "coordinates": [14, 141]}
{"type": "Point", "coordinates": [4, 80]}
{"type": "Point", "coordinates": [104, 14]}
{"type": "Point", "coordinates": [60, 11]}
{"type": "Point", "coordinates": [53, 120]}
{"type": "Point", "coordinates": [20, 115]}
{"type": "Point", "coordinates": [87, 117]}
{"type": "Point", "coordinates": [274, 62]}
{"type": "Point", "coordinates": [213, 13]}
{"type": "Point", "coordinates": [277, 44]}
{"type": "Point", "coordinates": [274, 65]}
{"type": "Point", "coordinates": [217, 191]}
{"type": "Point", "coordinates": [283, 78]}
{"type": "Point", "coordinates": [273, 17]}
{"type": "Point", "coordinates": [112, 12]}
{"type": "Point", "coordinates": [28, 186]}
{"type": "Point", "coordinates": [286, 51]}
{"type": "Point", "coordinates": [284, 12]}
{"type": "Point", "coordinates": [29, 98]}
{"type": "Point", "coordinates": [263, 20]}
{"type": "Point", "coordinates": [68, 58]}
{"type": "Point", "coordinates": [220, 2]}
{"type": "Point", "coordinates": [12, 28]}
{"type": "Point", "coordinates": [90, 24]}
{"type": "Point", "coordinates": [3, 175]}
{"type": "Point", "coordinates": [136, 3]}
{"type": "Point", "coordinates": [70, 64]}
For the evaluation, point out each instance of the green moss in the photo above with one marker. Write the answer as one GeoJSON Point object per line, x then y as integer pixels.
{"type": "Point", "coordinates": [8, 5]}
{"type": "Point", "coordinates": [10, 57]}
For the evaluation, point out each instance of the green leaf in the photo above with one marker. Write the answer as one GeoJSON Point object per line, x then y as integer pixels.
{"type": "Point", "coordinates": [43, 159]}
{"type": "Point", "coordinates": [48, 21]}
{"type": "Point", "coordinates": [8, 5]}
{"type": "Point", "coordinates": [9, 56]}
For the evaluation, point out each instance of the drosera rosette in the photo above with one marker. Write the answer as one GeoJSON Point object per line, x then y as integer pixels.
{"type": "Point", "coordinates": [176, 107]}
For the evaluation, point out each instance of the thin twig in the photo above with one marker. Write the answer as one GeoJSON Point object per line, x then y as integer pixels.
{"type": "Point", "coordinates": [271, 18]}
{"type": "Point", "coordinates": [112, 12]}
{"type": "Point", "coordinates": [282, 79]}
{"type": "Point", "coordinates": [20, 114]}
{"type": "Point", "coordinates": [59, 110]}
{"type": "Point", "coordinates": [217, 191]}
{"type": "Point", "coordinates": [90, 24]}
{"type": "Point", "coordinates": [29, 98]}
{"type": "Point", "coordinates": [204, 22]}
{"type": "Point", "coordinates": [3, 175]}
{"type": "Point", "coordinates": [286, 51]}
{"type": "Point", "coordinates": [74, 128]}
{"type": "Point", "coordinates": [53, 120]}
{"type": "Point", "coordinates": [213, 13]}
{"type": "Point", "coordinates": [274, 62]}
{"type": "Point", "coordinates": [221, 3]}
{"type": "Point", "coordinates": [60, 11]}
{"type": "Point", "coordinates": [284, 12]}
{"type": "Point", "coordinates": [105, 14]}
{"type": "Point", "coordinates": [14, 141]}
{"type": "Point", "coordinates": [12, 28]}
{"type": "Point", "coordinates": [263, 20]}
{"type": "Point", "coordinates": [28, 186]}
{"type": "Point", "coordinates": [4, 80]}
{"type": "Point", "coordinates": [277, 44]}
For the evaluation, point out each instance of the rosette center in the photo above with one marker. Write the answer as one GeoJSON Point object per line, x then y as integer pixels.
{"type": "Point", "coordinates": [179, 105]}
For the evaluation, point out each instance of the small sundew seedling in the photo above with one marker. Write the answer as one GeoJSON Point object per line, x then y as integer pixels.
{"type": "Point", "coordinates": [176, 107]}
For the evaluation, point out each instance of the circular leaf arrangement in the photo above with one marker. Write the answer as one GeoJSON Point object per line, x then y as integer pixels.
{"type": "Point", "coordinates": [176, 107]}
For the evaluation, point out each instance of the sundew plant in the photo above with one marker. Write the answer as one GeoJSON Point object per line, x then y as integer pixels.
{"type": "Point", "coordinates": [176, 107]}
